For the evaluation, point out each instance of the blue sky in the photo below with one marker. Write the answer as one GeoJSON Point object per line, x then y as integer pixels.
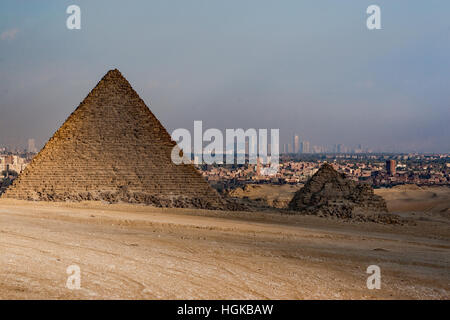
{"type": "Point", "coordinates": [309, 67]}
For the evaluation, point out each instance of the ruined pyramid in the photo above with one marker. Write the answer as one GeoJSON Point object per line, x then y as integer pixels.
{"type": "Point", "coordinates": [330, 193]}
{"type": "Point", "coordinates": [113, 148]}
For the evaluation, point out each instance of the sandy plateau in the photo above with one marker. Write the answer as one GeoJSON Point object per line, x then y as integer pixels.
{"type": "Point", "coordinates": [140, 252]}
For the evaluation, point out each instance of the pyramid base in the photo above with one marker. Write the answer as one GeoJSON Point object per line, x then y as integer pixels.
{"type": "Point", "coordinates": [170, 201]}
{"type": "Point", "coordinates": [352, 212]}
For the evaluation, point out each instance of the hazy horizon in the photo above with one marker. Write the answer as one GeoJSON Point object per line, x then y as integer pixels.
{"type": "Point", "coordinates": [310, 68]}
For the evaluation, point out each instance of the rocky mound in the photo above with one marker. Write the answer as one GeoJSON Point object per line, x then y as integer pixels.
{"type": "Point", "coordinates": [267, 195]}
{"type": "Point", "coordinates": [330, 193]}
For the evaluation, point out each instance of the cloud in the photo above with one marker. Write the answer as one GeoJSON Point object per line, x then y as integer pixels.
{"type": "Point", "coordinates": [9, 34]}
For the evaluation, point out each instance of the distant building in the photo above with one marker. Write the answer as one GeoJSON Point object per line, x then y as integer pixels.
{"type": "Point", "coordinates": [305, 147]}
{"type": "Point", "coordinates": [258, 167]}
{"type": "Point", "coordinates": [12, 162]}
{"type": "Point", "coordinates": [32, 146]}
{"type": "Point", "coordinates": [318, 149]}
{"type": "Point", "coordinates": [296, 144]}
{"type": "Point", "coordinates": [390, 167]}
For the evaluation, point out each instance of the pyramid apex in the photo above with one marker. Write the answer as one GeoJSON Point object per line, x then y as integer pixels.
{"type": "Point", "coordinates": [327, 167]}
{"type": "Point", "coordinates": [113, 76]}
{"type": "Point", "coordinates": [113, 73]}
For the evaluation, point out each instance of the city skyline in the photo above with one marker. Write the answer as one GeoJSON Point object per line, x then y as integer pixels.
{"type": "Point", "coordinates": [285, 148]}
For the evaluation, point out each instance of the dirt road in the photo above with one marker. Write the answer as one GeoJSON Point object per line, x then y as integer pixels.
{"type": "Point", "coordinates": [137, 252]}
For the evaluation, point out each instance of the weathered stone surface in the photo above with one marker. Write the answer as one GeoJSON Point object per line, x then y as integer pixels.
{"type": "Point", "coordinates": [113, 148]}
{"type": "Point", "coordinates": [330, 193]}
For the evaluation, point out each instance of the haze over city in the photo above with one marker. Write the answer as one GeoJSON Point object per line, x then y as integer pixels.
{"type": "Point", "coordinates": [307, 68]}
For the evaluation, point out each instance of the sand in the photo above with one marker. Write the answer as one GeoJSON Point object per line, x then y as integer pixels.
{"type": "Point", "coordinates": [138, 252]}
{"type": "Point", "coordinates": [411, 198]}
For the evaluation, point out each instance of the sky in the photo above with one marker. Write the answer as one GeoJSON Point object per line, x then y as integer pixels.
{"type": "Point", "coordinates": [310, 67]}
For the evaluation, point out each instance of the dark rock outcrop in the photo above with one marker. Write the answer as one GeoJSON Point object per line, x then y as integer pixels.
{"type": "Point", "coordinates": [330, 193]}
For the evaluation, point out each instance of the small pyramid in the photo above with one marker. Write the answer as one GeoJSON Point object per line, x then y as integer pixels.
{"type": "Point", "coordinates": [113, 148]}
{"type": "Point", "coordinates": [330, 193]}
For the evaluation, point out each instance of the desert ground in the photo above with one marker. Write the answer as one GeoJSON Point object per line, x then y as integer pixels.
{"type": "Point", "coordinates": [139, 252]}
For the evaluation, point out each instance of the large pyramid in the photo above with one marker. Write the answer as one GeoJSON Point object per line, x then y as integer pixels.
{"type": "Point", "coordinates": [330, 193]}
{"type": "Point", "coordinates": [113, 148]}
